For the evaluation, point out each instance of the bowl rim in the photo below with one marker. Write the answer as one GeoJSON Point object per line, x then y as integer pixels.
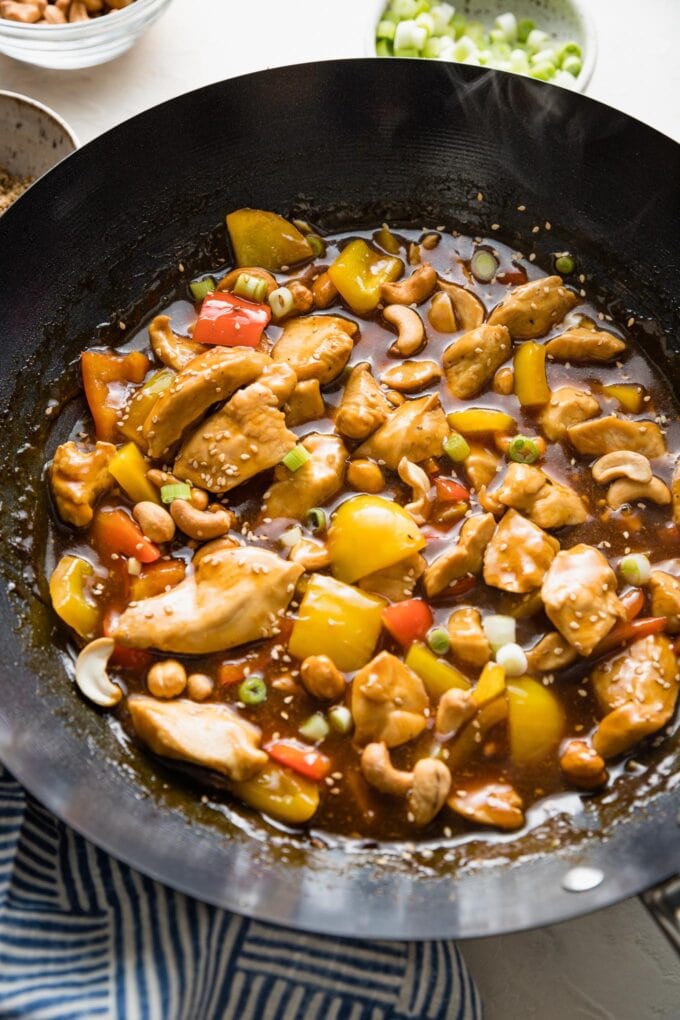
{"type": "Point", "coordinates": [47, 111]}
{"type": "Point", "coordinates": [125, 16]}
{"type": "Point", "coordinates": [580, 8]}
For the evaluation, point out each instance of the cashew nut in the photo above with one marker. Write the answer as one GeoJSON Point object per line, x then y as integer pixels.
{"type": "Point", "coordinates": [431, 785]}
{"type": "Point", "coordinates": [365, 476]}
{"type": "Point", "coordinates": [311, 554]}
{"type": "Point", "coordinates": [455, 708]}
{"type": "Point", "coordinates": [414, 290]}
{"type": "Point", "coordinates": [411, 332]}
{"type": "Point", "coordinates": [379, 771]}
{"type": "Point", "coordinates": [622, 464]}
{"type": "Point", "coordinates": [414, 476]}
{"type": "Point", "coordinates": [322, 678]}
{"type": "Point", "coordinates": [468, 309]}
{"type": "Point", "coordinates": [155, 522]}
{"type": "Point", "coordinates": [303, 298]}
{"type": "Point", "coordinates": [91, 676]}
{"type": "Point", "coordinates": [199, 686]}
{"type": "Point", "coordinates": [582, 765]}
{"type": "Point", "coordinates": [504, 381]}
{"type": "Point", "coordinates": [411, 375]}
{"type": "Point", "coordinates": [200, 524]}
{"type": "Point", "coordinates": [626, 491]}
{"type": "Point", "coordinates": [228, 282]}
{"type": "Point", "coordinates": [441, 314]}
{"type": "Point", "coordinates": [166, 679]}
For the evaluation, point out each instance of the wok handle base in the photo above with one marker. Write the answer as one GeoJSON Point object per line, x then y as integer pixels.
{"type": "Point", "coordinates": [663, 903]}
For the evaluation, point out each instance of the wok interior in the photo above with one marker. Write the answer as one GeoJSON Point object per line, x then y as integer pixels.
{"type": "Point", "coordinates": [411, 145]}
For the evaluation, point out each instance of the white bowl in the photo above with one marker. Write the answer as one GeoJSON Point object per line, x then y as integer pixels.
{"type": "Point", "coordinates": [83, 43]}
{"type": "Point", "coordinates": [33, 138]}
{"type": "Point", "coordinates": [564, 19]}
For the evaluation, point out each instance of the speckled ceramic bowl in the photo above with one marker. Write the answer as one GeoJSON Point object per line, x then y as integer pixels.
{"type": "Point", "coordinates": [32, 137]}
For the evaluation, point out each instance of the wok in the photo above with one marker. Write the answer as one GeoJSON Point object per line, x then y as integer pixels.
{"type": "Point", "coordinates": [99, 240]}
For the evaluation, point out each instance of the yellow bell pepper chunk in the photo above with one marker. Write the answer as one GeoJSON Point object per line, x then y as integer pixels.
{"type": "Point", "coordinates": [536, 720]}
{"type": "Point", "coordinates": [629, 396]}
{"type": "Point", "coordinates": [491, 684]}
{"type": "Point", "coordinates": [470, 739]}
{"type": "Point", "coordinates": [478, 420]}
{"type": "Point", "coordinates": [280, 793]}
{"type": "Point", "coordinates": [67, 591]}
{"type": "Point", "coordinates": [359, 272]}
{"type": "Point", "coordinates": [265, 239]}
{"type": "Point", "coordinates": [368, 533]}
{"type": "Point", "coordinates": [139, 408]}
{"type": "Point", "coordinates": [531, 383]}
{"type": "Point", "coordinates": [129, 469]}
{"type": "Point", "coordinates": [337, 620]}
{"type": "Point", "coordinates": [437, 675]}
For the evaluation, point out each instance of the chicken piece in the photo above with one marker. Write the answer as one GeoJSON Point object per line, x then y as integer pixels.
{"type": "Point", "coordinates": [294, 493]}
{"type": "Point", "coordinates": [530, 310]}
{"type": "Point", "coordinates": [665, 592]}
{"type": "Point", "coordinates": [469, 363]}
{"type": "Point", "coordinates": [579, 595]}
{"type": "Point", "coordinates": [364, 407]}
{"type": "Point", "coordinates": [207, 379]}
{"type": "Point", "coordinates": [487, 803]}
{"type": "Point", "coordinates": [465, 557]}
{"type": "Point", "coordinates": [545, 501]}
{"type": "Point", "coordinates": [469, 644]}
{"type": "Point", "coordinates": [550, 654]}
{"type": "Point", "coordinates": [581, 345]}
{"type": "Point", "coordinates": [78, 478]}
{"type": "Point", "coordinates": [210, 735]}
{"type": "Point", "coordinates": [416, 429]}
{"type": "Point", "coordinates": [567, 406]}
{"type": "Point", "coordinates": [456, 707]}
{"type": "Point", "coordinates": [481, 466]}
{"type": "Point", "coordinates": [388, 702]}
{"type": "Point", "coordinates": [675, 493]}
{"type": "Point", "coordinates": [397, 582]}
{"type": "Point", "coordinates": [316, 346]}
{"type": "Point", "coordinates": [234, 595]}
{"type": "Point", "coordinates": [583, 766]}
{"type": "Point", "coordinates": [305, 404]}
{"type": "Point", "coordinates": [604, 435]}
{"type": "Point", "coordinates": [246, 436]}
{"type": "Point", "coordinates": [311, 554]}
{"type": "Point", "coordinates": [174, 351]}
{"type": "Point", "coordinates": [637, 689]}
{"type": "Point", "coordinates": [518, 555]}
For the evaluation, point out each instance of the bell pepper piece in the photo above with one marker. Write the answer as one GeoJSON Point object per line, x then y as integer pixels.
{"type": "Point", "coordinates": [624, 633]}
{"type": "Point", "coordinates": [156, 578]}
{"type": "Point", "coordinates": [478, 420]}
{"type": "Point", "coordinates": [491, 684]}
{"type": "Point", "coordinates": [265, 239]}
{"type": "Point", "coordinates": [299, 757]}
{"type": "Point", "coordinates": [115, 532]}
{"type": "Point", "coordinates": [67, 591]}
{"type": "Point", "coordinates": [531, 383]}
{"type": "Point", "coordinates": [408, 621]}
{"type": "Point", "coordinates": [129, 469]}
{"type": "Point", "coordinates": [131, 658]}
{"type": "Point", "coordinates": [629, 396]}
{"type": "Point", "coordinates": [227, 320]}
{"type": "Point", "coordinates": [469, 741]}
{"type": "Point", "coordinates": [280, 793]}
{"type": "Point", "coordinates": [449, 491]}
{"type": "Point", "coordinates": [359, 272]}
{"type": "Point", "coordinates": [105, 379]}
{"type": "Point", "coordinates": [139, 407]}
{"type": "Point", "coordinates": [368, 533]}
{"type": "Point", "coordinates": [536, 720]}
{"type": "Point", "coordinates": [437, 675]}
{"type": "Point", "coordinates": [337, 620]}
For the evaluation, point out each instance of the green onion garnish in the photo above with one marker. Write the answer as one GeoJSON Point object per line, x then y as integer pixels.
{"type": "Point", "coordinates": [252, 288]}
{"type": "Point", "coordinates": [317, 519]}
{"type": "Point", "coordinates": [253, 690]}
{"type": "Point", "coordinates": [200, 288]}
{"type": "Point", "coordinates": [438, 640]}
{"type": "Point", "coordinates": [315, 728]}
{"type": "Point", "coordinates": [177, 490]}
{"type": "Point", "coordinates": [483, 265]}
{"type": "Point", "coordinates": [564, 264]}
{"type": "Point", "coordinates": [295, 458]}
{"type": "Point", "coordinates": [281, 302]}
{"type": "Point", "coordinates": [523, 450]}
{"type": "Point", "coordinates": [456, 447]}
{"type": "Point", "coordinates": [340, 718]}
{"type": "Point", "coordinates": [291, 537]}
{"type": "Point", "coordinates": [636, 568]}
{"type": "Point", "coordinates": [317, 244]}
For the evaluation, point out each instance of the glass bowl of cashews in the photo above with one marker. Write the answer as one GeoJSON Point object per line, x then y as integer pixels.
{"type": "Point", "coordinates": [68, 34]}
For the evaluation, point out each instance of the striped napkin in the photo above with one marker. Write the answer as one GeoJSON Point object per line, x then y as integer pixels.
{"type": "Point", "coordinates": [82, 936]}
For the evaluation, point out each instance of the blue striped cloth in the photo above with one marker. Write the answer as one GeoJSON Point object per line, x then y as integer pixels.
{"type": "Point", "coordinates": [82, 936]}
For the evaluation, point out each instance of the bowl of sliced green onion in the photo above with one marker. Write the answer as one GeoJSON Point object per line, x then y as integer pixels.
{"type": "Point", "coordinates": [551, 40]}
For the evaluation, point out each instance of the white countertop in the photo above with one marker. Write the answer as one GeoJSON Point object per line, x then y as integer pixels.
{"type": "Point", "coordinates": [614, 965]}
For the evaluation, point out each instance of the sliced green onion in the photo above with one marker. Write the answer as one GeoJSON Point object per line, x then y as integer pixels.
{"type": "Point", "coordinates": [281, 302]}
{"type": "Point", "coordinates": [565, 264]}
{"type": "Point", "coordinates": [426, 21]}
{"type": "Point", "coordinates": [252, 288]}
{"type": "Point", "coordinates": [409, 35]}
{"type": "Point", "coordinates": [513, 659]}
{"type": "Point", "coordinates": [573, 65]}
{"type": "Point", "coordinates": [253, 690]}
{"type": "Point", "coordinates": [317, 519]}
{"type": "Point", "coordinates": [385, 30]}
{"type": "Point", "coordinates": [405, 8]}
{"type": "Point", "coordinates": [407, 51]}
{"type": "Point", "coordinates": [340, 718]}
{"type": "Point", "coordinates": [317, 244]}
{"type": "Point", "coordinates": [295, 458]}
{"type": "Point", "coordinates": [456, 447]}
{"type": "Point", "coordinates": [523, 450]}
{"type": "Point", "coordinates": [315, 728]}
{"type": "Point", "coordinates": [159, 381]}
{"type": "Point", "coordinates": [507, 25]}
{"type": "Point", "coordinates": [383, 48]}
{"type": "Point", "coordinates": [499, 630]}
{"type": "Point", "coordinates": [635, 569]}
{"type": "Point", "coordinates": [200, 288]}
{"type": "Point", "coordinates": [291, 537]}
{"type": "Point", "coordinates": [524, 27]}
{"type": "Point", "coordinates": [438, 640]}
{"type": "Point", "coordinates": [483, 265]}
{"type": "Point", "coordinates": [441, 14]}
{"type": "Point", "coordinates": [537, 39]}
{"type": "Point", "coordinates": [177, 490]}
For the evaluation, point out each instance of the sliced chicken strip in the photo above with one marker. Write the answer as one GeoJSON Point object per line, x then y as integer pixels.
{"type": "Point", "coordinates": [581, 345]}
{"type": "Point", "coordinates": [316, 346]}
{"type": "Point", "coordinates": [465, 557]}
{"type": "Point", "coordinates": [567, 406]}
{"type": "Point", "coordinates": [470, 362]}
{"type": "Point", "coordinates": [518, 555]}
{"type": "Point", "coordinates": [416, 429]}
{"type": "Point", "coordinates": [545, 501]}
{"type": "Point", "coordinates": [388, 702]}
{"type": "Point", "coordinates": [604, 435]}
{"type": "Point", "coordinates": [579, 595]}
{"type": "Point", "coordinates": [294, 493]}
{"type": "Point", "coordinates": [532, 309]}
{"type": "Point", "coordinates": [364, 407]}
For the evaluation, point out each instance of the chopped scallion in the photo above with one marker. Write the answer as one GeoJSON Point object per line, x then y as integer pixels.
{"type": "Point", "coordinates": [252, 288]}
{"type": "Point", "coordinates": [385, 30]}
{"type": "Point", "coordinates": [281, 302]}
{"type": "Point", "coordinates": [340, 718]}
{"type": "Point", "coordinates": [177, 490]}
{"type": "Point", "coordinates": [317, 519]}
{"type": "Point", "coordinates": [438, 640]}
{"type": "Point", "coordinates": [295, 458]}
{"type": "Point", "coordinates": [483, 265]}
{"type": "Point", "coordinates": [315, 728]}
{"type": "Point", "coordinates": [523, 450]}
{"type": "Point", "coordinates": [635, 569]}
{"type": "Point", "coordinates": [291, 537]}
{"type": "Point", "coordinates": [253, 690]}
{"type": "Point", "coordinates": [201, 288]}
{"type": "Point", "coordinates": [513, 659]}
{"type": "Point", "coordinates": [456, 447]}
{"type": "Point", "coordinates": [500, 630]}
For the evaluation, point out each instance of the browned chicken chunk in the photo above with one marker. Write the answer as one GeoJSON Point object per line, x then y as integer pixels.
{"type": "Point", "coordinates": [469, 644]}
{"type": "Point", "coordinates": [604, 435]}
{"type": "Point", "coordinates": [532, 309]}
{"type": "Point", "coordinates": [579, 594]}
{"type": "Point", "coordinates": [388, 702]}
{"type": "Point", "coordinates": [78, 478]}
{"type": "Point", "coordinates": [581, 345]}
{"type": "Point", "coordinates": [305, 404]}
{"type": "Point", "coordinates": [490, 803]}
{"type": "Point", "coordinates": [567, 406]}
{"type": "Point", "coordinates": [316, 346]}
{"type": "Point", "coordinates": [518, 555]}
{"type": "Point", "coordinates": [465, 557]}
{"type": "Point", "coordinates": [294, 493]}
{"type": "Point", "coordinates": [364, 407]}
{"type": "Point", "coordinates": [397, 582]}
{"type": "Point", "coordinates": [470, 362]}
{"type": "Point", "coordinates": [550, 654]}
{"type": "Point", "coordinates": [416, 429]}
{"type": "Point", "coordinates": [665, 592]}
{"type": "Point", "coordinates": [173, 350]}
{"type": "Point", "coordinates": [582, 765]}
{"type": "Point", "coordinates": [481, 466]}
{"type": "Point", "coordinates": [545, 501]}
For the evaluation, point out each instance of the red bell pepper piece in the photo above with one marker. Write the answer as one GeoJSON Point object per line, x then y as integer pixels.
{"type": "Point", "coordinates": [300, 758]}
{"type": "Point", "coordinates": [515, 275]}
{"type": "Point", "coordinates": [131, 658]}
{"type": "Point", "coordinates": [624, 633]}
{"type": "Point", "coordinates": [115, 532]}
{"type": "Point", "coordinates": [231, 321]}
{"type": "Point", "coordinates": [408, 621]}
{"type": "Point", "coordinates": [105, 380]}
{"type": "Point", "coordinates": [633, 602]}
{"type": "Point", "coordinates": [449, 491]}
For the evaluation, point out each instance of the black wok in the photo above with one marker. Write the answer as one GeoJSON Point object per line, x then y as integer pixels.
{"type": "Point", "coordinates": [100, 239]}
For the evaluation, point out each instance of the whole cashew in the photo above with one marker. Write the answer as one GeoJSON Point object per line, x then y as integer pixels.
{"type": "Point", "coordinates": [159, 478]}
{"type": "Point", "coordinates": [155, 522]}
{"type": "Point", "coordinates": [91, 676]}
{"type": "Point", "coordinates": [414, 290]}
{"type": "Point", "coordinates": [200, 524]}
{"type": "Point", "coordinates": [312, 554]}
{"type": "Point", "coordinates": [411, 332]}
{"type": "Point", "coordinates": [303, 298]}
{"type": "Point", "coordinates": [228, 282]}
{"type": "Point", "coordinates": [322, 678]}
{"type": "Point", "coordinates": [469, 309]}
{"type": "Point", "coordinates": [442, 315]}
{"type": "Point", "coordinates": [455, 708]}
{"type": "Point", "coordinates": [379, 771]}
{"type": "Point", "coordinates": [365, 476]}
{"type": "Point", "coordinates": [626, 491]}
{"type": "Point", "coordinates": [411, 375]}
{"type": "Point", "coordinates": [431, 785]}
{"type": "Point", "coordinates": [583, 765]}
{"type": "Point", "coordinates": [622, 464]}
{"type": "Point", "coordinates": [414, 476]}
